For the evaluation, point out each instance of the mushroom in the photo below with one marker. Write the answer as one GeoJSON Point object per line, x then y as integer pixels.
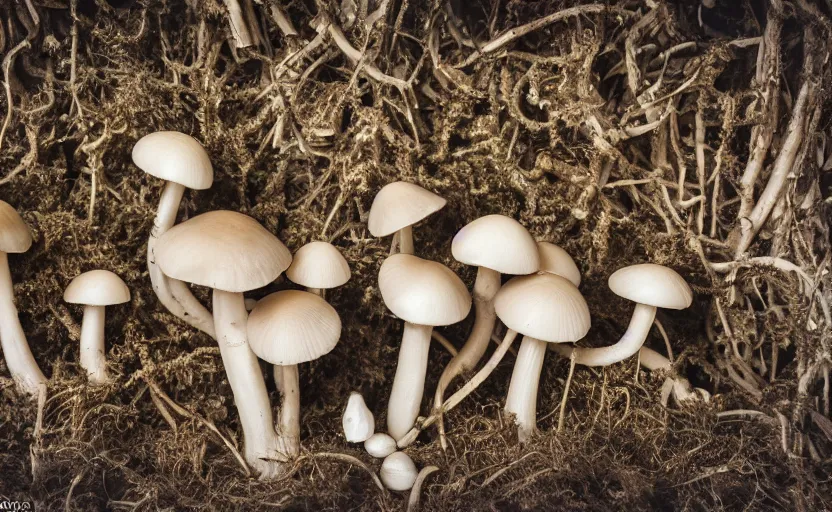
{"type": "Point", "coordinates": [15, 238]}
{"type": "Point", "coordinates": [285, 329]}
{"type": "Point", "coordinates": [96, 290]}
{"type": "Point", "coordinates": [181, 161]}
{"type": "Point", "coordinates": [650, 286]}
{"type": "Point", "coordinates": [358, 421]}
{"type": "Point", "coordinates": [380, 445]}
{"type": "Point", "coordinates": [397, 207]}
{"type": "Point", "coordinates": [495, 244]}
{"type": "Point", "coordinates": [555, 260]}
{"type": "Point", "coordinates": [424, 294]}
{"type": "Point", "coordinates": [232, 253]}
{"type": "Point", "coordinates": [318, 266]}
{"type": "Point", "coordinates": [398, 472]}
{"type": "Point", "coordinates": [545, 308]}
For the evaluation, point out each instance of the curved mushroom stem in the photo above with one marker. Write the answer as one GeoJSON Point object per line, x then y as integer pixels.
{"type": "Point", "coordinates": [409, 382]}
{"type": "Point", "coordinates": [19, 358]}
{"type": "Point", "coordinates": [486, 287]}
{"type": "Point", "coordinates": [464, 391]}
{"type": "Point", "coordinates": [289, 428]}
{"type": "Point", "coordinates": [93, 353]}
{"type": "Point", "coordinates": [262, 448]}
{"type": "Point", "coordinates": [521, 399]}
{"type": "Point", "coordinates": [628, 345]}
{"type": "Point", "coordinates": [174, 294]}
{"type": "Point", "coordinates": [406, 240]}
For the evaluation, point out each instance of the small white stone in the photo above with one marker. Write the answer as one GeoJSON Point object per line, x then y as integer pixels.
{"type": "Point", "coordinates": [398, 472]}
{"type": "Point", "coordinates": [380, 445]}
{"type": "Point", "coordinates": [358, 421]}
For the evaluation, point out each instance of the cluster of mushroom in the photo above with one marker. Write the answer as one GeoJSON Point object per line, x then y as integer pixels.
{"type": "Point", "coordinates": [542, 303]}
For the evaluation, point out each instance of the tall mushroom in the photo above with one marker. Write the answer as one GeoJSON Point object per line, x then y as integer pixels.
{"type": "Point", "coordinates": [285, 329]}
{"type": "Point", "coordinates": [397, 207]}
{"type": "Point", "coordinates": [496, 244]}
{"type": "Point", "coordinates": [181, 161]}
{"type": "Point", "coordinates": [545, 308]}
{"type": "Point", "coordinates": [15, 237]}
{"type": "Point", "coordinates": [96, 290]}
{"type": "Point", "coordinates": [424, 294]}
{"type": "Point", "coordinates": [555, 260]}
{"type": "Point", "coordinates": [650, 286]}
{"type": "Point", "coordinates": [232, 253]}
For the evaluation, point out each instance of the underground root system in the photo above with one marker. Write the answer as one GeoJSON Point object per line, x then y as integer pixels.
{"type": "Point", "coordinates": [693, 136]}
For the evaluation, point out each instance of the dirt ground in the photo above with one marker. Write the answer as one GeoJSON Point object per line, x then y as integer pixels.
{"type": "Point", "coordinates": [583, 121]}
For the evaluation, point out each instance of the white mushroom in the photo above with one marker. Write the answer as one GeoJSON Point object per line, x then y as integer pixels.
{"type": "Point", "coordinates": [380, 445]}
{"type": "Point", "coordinates": [397, 207]}
{"type": "Point", "coordinates": [555, 260]}
{"type": "Point", "coordinates": [15, 237]}
{"type": "Point", "coordinates": [358, 421]}
{"type": "Point", "coordinates": [398, 472]}
{"type": "Point", "coordinates": [96, 290]}
{"type": "Point", "coordinates": [180, 160]}
{"type": "Point", "coordinates": [232, 253]}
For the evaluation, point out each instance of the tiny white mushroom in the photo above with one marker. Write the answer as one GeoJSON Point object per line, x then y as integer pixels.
{"type": "Point", "coordinates": [380, 445]}
{"type": "Point", "coordinates": [96, 290]}
{"type": "Point", "coordinates": [397, 207]}
{"type": "Point", "coordinates": [358, 421]}
{"type": "Point", "coordinates": [398, 472]}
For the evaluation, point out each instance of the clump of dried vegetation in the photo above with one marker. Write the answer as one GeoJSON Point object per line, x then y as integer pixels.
{"type": "Point", "coordinates": [695, 136]}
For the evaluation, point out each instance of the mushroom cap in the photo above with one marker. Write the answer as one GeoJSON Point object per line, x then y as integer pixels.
{"type": "Point", "coordinates": [293, 327]}
{"type": "Point", "coordinates": [224, 250]}
{"type": "Point", "coordinates": [318, 265]}
{"type": "Point", "coordinates": [176, 157]}
{"type": "Point", "coordinates": [401, 204]}
{"type": "Point", "coordinates": [499, 243]}
{"type": "Point", "coordinates": [544, 306]}
{"type": "Point", "coordinates": [15, 236]}
{"type": "Point", "coordinates": [398, 472]}
{"type": "Point", "coordinates": [555, 260]}
{"type": "Point", "coordinates": [653, 285]}
{"type": "Point", "coordinates": [423, 292]}
{"type": "Point", "coordinates": [97, 288]}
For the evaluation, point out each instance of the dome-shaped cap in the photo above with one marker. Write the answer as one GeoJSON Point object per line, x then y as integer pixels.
{"type": "Point", "coordinates": [543, 306]}
{"type": "Point", "coordinates": [225, 250]}
{"type": "Point", "coordinates": [401, 204]}
{"type": "Point", "coordinates": [423, 292]}
{"type": "Point", "coordinates": [653, 285]}
{"type": "Point", "coordinates": [499, 243]}
{"type": "Point", "coordinates": [97, 288]}
{"type": "Point", "coordinates": [318, 265]}
{"type": "Point", "coordinates": [555, 260]}
{"type": "Point", "coordinates": [15, 236]}
{"type": "Point", "coordinates": [176, 157]}
{"type": "Point", "coordinates": [293, 327]}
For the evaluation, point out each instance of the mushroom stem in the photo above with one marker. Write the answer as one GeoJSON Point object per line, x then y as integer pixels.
{"type": "Point", "coordinates": [464, 391]}
{"type": "Point", "coordinates": [289, 427]}
{"type": "Point", "coordinates": [317, 291]}
{"type": "Point", "coordinates": [406, 240]}
{"type": "Point", "coordinates": [19, 359]}
{"type": "Point", "coordinates": [628, 345]}
{"type": "Point", "coordinates": [174, 294]}
{"type": "Point", "coordinates": [485, 288]}
{"type": "Point", "coordinates": [261, 443]}
{"type": "Point", "coordinates": [93, 354]}
{"type": "Point", "coordinates": [277, 371]}
{"type": "Point", "coordinates": [409, 382]}
{"type": "Point", "coordinates": [522, 391]}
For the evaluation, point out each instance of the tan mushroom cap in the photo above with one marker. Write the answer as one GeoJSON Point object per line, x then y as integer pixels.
{"type": "Point", "coordinates": [499, 243]}
{"type": "Point", "coordinates": [15, 236]}
{"type": "Point", "coordinates": [319, 265]}
{"type": "Point", "coordinates": [543, 306]}
{"type": "Point", "coordinates": [176, 157]}
{"type": "Point", "coordinates": [293, 327]}
{"type": "Point", "coordinates": [653, 285]}
{"type": "Point", "coordinates": [223, 250]}
{"type": "Point", "coordinates": [401, 204]}
{"type": "Point", "coordinates": [555, 260]}
{"type": "Point", "coordinates": [423, 292]}
{"type": "Point", "coordinates": [97, 288]}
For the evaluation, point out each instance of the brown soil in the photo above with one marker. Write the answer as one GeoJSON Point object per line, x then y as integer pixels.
{"type": "Point", "coordinates": [541, 128]}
